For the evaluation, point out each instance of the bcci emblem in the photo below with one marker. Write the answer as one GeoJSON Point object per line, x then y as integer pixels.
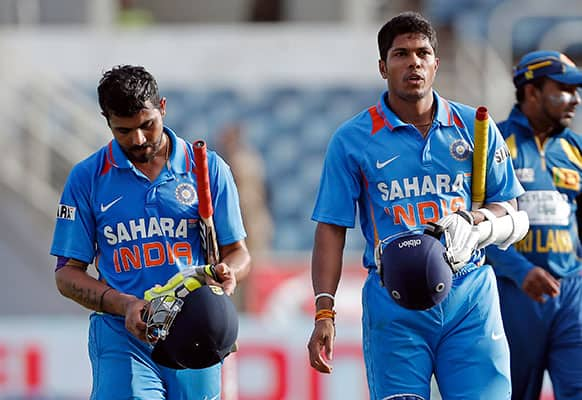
{"type": "Point", "coordinates": [186, 194]}
{"type": "Point", "coordinates": [460, 150]}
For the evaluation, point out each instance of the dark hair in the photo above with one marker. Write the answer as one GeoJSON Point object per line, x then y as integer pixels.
{"type": "Point", "coordinates": [520, 90]}
{"type": "Point", "coordinates": [124, 90]}
{"type": "Point", "coordinates": [406, 22]}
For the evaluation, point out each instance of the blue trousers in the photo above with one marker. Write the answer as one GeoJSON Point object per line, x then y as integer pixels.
{"type": "Point", "coordinates": [123, 368]}
{"type": "Point", "coordinates": [544, 336]}
{"type": "Point", "coordinates": [461, 341]}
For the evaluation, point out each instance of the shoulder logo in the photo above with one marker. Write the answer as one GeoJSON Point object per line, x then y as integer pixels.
{"type": "Point", "coordinates": [105, 207]}
{"type": "Point", "coordinates": [382, 164]}
{"type": "Point", "coordinates": [66, 212]}
{"type": "Point", "coordinates": [496, 336]}
{"type": "Point", "coordinates": [502, 154]}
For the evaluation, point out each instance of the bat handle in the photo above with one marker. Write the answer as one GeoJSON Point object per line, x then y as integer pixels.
{"type": "Point", "coordinates": [482, 113]}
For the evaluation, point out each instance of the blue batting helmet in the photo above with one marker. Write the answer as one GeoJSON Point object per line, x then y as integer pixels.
{"type": "Point", "coordinates": [415, 271]}
{"type": "Point", "coordinates": [203, 331]}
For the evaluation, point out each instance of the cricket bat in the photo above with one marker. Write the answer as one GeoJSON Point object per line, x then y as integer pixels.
{"type": "Point", "coordinates": [205, 209]}
{"type": "Point", "coordinates": [210, 248]}
{"type": "Point", "coordinates": [478, 188]}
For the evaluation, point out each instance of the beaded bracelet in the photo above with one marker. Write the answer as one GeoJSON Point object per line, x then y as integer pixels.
{"type": "Point", "coordinates": [325, 313]}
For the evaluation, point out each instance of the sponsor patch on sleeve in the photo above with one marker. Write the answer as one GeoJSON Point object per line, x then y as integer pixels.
{"type": "Point", "coordinates": [502, 154]}
{"type": "Point", "coordinates": [66, 212]}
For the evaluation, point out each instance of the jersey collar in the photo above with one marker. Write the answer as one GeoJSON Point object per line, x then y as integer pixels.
{"type": "Point", "coordinates": [180, 159]}
{"type": "Point", "coordinates": [518, 117]}
{"type": "Point", "coordinates": [443, 113]}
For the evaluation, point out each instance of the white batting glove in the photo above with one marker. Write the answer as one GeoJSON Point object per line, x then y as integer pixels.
{"type": "Point", "coordinates": [461, 238]}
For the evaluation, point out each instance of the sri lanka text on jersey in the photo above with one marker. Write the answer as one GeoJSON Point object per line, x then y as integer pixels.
{"type": "Point", "coordinates": [546, 241]}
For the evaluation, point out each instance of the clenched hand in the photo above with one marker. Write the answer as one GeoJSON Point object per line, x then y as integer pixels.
{"type": "Point", "coordinates": [539, 282]}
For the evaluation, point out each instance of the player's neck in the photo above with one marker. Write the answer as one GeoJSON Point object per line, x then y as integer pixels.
{"type": "Point", "coordinates": [420, 113]}
{"type": "Point", "coordinates": [540, 123]}
{"type": "Point", "coordinates": [164, 152]}
{"type": "Point", "coordinates": [542, 129]}
{"type": "Point", "coordinates": [413, 112]}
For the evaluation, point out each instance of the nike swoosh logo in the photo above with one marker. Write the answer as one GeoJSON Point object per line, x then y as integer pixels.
{"type": "Point", "coordinates": [108, 206]}
{"type": "Point", "coordinates": [496, 336]}
{"type": "Point", "coordinates": [381, 165]}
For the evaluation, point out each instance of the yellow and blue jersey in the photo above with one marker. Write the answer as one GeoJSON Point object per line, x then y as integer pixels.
{"type": "Point", "coordinates": [550, 173]}
{"type": "Point", "coordinates": [400, 180]}
{"type": "Point", "coordinates": [140, 232]}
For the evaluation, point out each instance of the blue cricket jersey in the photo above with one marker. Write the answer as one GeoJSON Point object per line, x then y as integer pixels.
{"type": "Point", "coordinates": [550, 173]}
{"type": "Point", "coordinates": [139, 232]}
{"type": "Point", "coordinates": [401, 181]}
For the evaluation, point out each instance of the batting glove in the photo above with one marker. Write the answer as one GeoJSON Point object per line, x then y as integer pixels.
{"type": "Point", "coordinates": [461, 238]}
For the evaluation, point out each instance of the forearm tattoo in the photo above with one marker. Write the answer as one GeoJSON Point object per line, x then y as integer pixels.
{"type": "Point", "coordinates": [87, 297]}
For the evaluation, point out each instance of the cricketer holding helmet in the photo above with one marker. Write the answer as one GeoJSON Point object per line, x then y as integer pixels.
{"type": "Point", "coordinates": [539, 281]}
{"type": "Point", "coordinates": [403, 163]}
{"type": "Point", "coordinates": [131, 208]}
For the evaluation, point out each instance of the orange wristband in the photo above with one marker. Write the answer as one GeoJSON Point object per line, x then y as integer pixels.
{"type": "Point", "coordinates": [325, 313]}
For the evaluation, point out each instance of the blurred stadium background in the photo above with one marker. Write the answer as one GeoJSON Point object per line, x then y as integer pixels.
{"type": "Point", "coordinates": [284, 74]}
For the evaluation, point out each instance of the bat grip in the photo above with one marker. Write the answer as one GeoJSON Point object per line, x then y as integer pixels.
{"type": "Point", "coordinates": [479, 174]}
{"type": "Point", "coordinates": [205, 208]}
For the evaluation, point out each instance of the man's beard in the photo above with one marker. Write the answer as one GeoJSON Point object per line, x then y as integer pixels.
{"type": "Point", "coordinates": [140, 155]}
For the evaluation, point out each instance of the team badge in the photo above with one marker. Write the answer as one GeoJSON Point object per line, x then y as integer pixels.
{"type": "Point", "coordinates": [186, 194]}
{"type": "Point", "coordinates": [566, 178]}
{"type": "Point", "coordinates": [460, 150]}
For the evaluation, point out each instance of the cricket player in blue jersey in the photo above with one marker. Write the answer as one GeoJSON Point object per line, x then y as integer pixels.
{"type": "Point", "coordinates": [403, 163]}
{"type": "Point", "coordinates": [132, 209]}
{"type": "Point", "coordinates": [539, 279]}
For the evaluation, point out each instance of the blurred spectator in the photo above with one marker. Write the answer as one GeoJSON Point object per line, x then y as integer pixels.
{"type": "Point", "coordinates": [249, 173]}
{"type": "Point", "coordinates": [248, 170]}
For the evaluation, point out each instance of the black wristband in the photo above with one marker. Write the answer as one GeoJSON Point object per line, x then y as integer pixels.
{"type": "Point", "coordinates": [466, 216]}
{"type": "Point", "coordinates": [212, 272]}
{"type": "Point", "coordinates": [433, 229]}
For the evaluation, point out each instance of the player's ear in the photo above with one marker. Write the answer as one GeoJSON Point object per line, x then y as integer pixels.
{"type": "Point", "coordinates": [163, 106]}
{"type": "Point", "coordinates": [532, 92]}
{"type": "Point", "coordinates": [382, 68]}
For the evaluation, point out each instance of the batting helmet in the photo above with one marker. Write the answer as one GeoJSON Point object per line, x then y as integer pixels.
{"type": "Point", "coordinates": [203, 331]}
{"type": "Point", "coordinates": [415, 272]}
